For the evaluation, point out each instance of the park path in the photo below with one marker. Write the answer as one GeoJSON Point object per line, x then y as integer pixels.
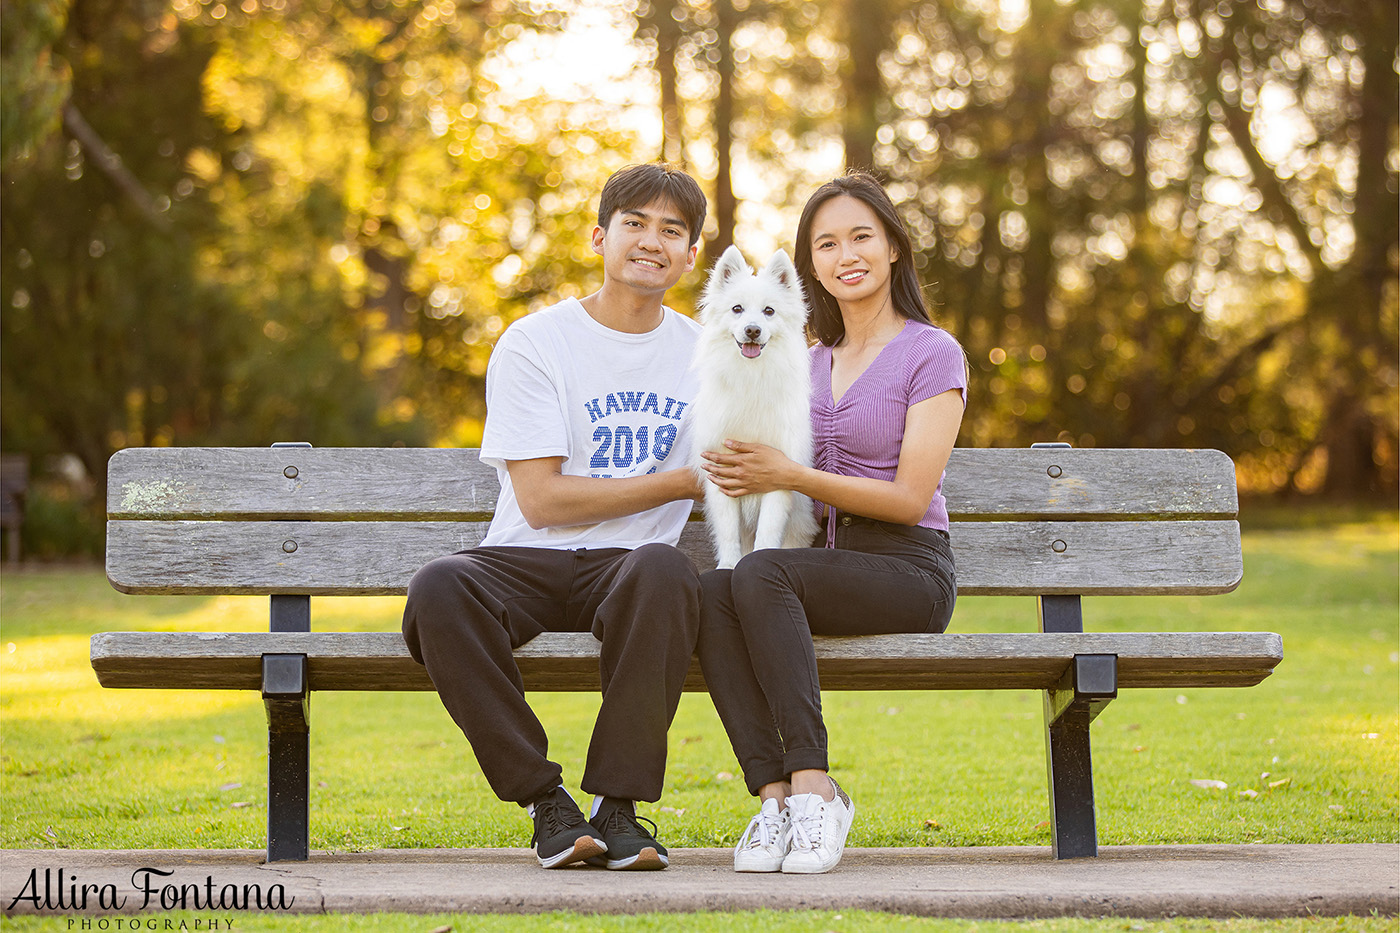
{"type": "Point", "coordinates": [1005, 882]}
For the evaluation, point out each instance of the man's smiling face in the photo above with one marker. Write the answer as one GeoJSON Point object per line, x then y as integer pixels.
{"type": "Point", "coordinates": [646, 248]}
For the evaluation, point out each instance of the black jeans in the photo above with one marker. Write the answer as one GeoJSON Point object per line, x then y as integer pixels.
{"type": "Point", "coordinates": [466, 613]}
{"type": "Point", "coordinates": [757, 623]}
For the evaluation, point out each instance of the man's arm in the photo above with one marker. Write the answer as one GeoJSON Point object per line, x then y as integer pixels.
{"type": "Point", "coordinates": [548, 498]}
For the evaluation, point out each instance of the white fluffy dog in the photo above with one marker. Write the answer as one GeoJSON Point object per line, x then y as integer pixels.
{"type": "Point", "coordinates": [755, 380]}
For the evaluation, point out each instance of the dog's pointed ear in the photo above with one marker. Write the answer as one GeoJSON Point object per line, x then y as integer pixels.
{"type": "Point", "coordinates": [730, 266]}
{"type": "Point", "coordinates": [782, 269]}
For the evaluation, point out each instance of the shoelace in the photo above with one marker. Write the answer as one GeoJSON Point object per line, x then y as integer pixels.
{"type": "Point", "coordinates": [768, 830]}
{"type": "Point", "coordinates": [807, 829]}
{"type": "Point", "coordinates": [553, 818]}
{"type": "Point", "coordinates": [620, 821]}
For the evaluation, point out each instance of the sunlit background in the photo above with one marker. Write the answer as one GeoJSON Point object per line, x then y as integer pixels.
{"type": "Point", "coordinates": [1150, 222]}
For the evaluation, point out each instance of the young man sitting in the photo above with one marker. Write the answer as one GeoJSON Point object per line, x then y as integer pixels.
{"type": "Point", "coordinates": [585, 425]}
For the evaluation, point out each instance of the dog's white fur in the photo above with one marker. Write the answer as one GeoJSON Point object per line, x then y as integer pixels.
{"type": "Point", "coordinates": [760, 397]}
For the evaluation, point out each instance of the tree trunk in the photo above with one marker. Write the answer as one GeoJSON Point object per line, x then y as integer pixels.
{"type": "Point", "coordinates": [1358, 290]}
{"type": "Point", "coordinates": [726, 205]}
{"type": "Point", "coordinates": [1038, 262]}
{"type": "Point", "coordinates": [659, 19]}
{"type": "Point", "coordinates": [870, 32]}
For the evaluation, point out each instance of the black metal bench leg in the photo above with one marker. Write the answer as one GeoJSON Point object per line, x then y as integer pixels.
{"type": "Point", "coordinates": [1087, 686]}
{"type": "Point", "coordinates": [1074, 833]}
{"type": "Point", "coordinates": [288, 701]}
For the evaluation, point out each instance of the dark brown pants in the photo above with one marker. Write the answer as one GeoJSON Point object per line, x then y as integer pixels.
{"type": "Point", "coordinates": [466, 612]}
{"type": "Point", "coordinates": [759, 618]}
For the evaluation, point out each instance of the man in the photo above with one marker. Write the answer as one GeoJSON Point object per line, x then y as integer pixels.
{"type": "Point", "coordinates": [585, 403]}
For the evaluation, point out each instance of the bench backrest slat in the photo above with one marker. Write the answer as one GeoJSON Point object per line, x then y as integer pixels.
{"type": "Point", "coordinates": [1101, 557]}
{"type": "Point", "coordinates": [337, 484]}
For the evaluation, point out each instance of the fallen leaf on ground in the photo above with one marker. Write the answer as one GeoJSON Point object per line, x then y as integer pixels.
{"type": "Point", "coordinates": [932, 824]}
{"type": "Point", "coordinates": [1208, 784]}
{"type": "Point", "coordinates": [1249, 793]}
{"type": "Point", "coordinates": [1283, 782]}
{"type": "Point", "coordinates": [233, 786]}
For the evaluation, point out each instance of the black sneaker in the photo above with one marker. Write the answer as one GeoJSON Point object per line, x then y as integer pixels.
{"type": "Point", "coordinates": [630, 847]}
{"type": "Point", "coordinates": [562, 836]}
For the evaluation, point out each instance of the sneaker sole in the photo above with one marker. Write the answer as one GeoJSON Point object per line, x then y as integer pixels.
{"type": "Point", "coordinates": [585, 847]}
{"type": "Point", "coordinates": [765, 868]}
{"type": "Point", "coordinates": [646, 860]}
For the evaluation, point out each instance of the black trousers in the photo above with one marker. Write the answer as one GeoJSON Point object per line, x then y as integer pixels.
{"type": "Point", "coordinates": [467, 611]}
{"type": "Point", "coordinates": [757, 623]}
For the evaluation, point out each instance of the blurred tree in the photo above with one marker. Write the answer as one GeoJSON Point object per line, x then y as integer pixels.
{"type": "Point", "coordinates": [1151, 222]}
{"type": "Point", "coordinates": [1335, 197]}
{"type": "Point", "coordinates": [1139, 216]}
{"type": "Point", "coordinates": [33, 80]}
{"type": "Point", "coordinates": [285, 221]}
{"type": "Point", "coordinates": [110, 334]}
{"type": "Point", "coordinates": [660, 26]}
{"type": "Point", "coordinates": [869, 31]}
{"type": "Point", "coordinates": [756, 86]}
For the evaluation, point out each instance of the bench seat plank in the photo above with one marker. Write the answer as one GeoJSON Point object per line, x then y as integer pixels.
{"type": "Point", "coordinates": [451, 484]}
{"type": "Point", "coordinates": [358, 558]}
{"type": "Point", "coordinates": [569, 661]}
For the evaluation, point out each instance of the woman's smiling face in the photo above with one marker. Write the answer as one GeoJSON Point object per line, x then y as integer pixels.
{"type": "Point", "coordinates": [851, 253]}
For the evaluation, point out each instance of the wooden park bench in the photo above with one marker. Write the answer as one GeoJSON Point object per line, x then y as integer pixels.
{"type": "Point", "coordinates": [291, 522]}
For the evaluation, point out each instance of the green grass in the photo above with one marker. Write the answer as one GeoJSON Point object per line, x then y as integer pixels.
{"type": "Point", "coordinates": [1308, 756]}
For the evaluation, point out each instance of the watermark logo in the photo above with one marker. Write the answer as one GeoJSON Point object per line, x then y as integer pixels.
{"type": "Point", "coordinates": [57, 890]}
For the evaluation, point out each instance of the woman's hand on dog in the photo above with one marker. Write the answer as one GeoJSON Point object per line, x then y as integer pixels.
{"type": "Point", "coordinates": [744, 469]}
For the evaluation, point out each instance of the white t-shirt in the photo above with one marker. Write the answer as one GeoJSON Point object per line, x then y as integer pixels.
{"type": "Point", "coordinates": [559, 384]}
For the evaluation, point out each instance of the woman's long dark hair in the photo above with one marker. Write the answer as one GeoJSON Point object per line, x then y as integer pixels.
{"type": "Point", "coordinates": [825, 321]}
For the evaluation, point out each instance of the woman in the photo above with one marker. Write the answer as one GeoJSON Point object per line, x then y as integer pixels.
{"type": "Point", "coordinates": [888, 393]}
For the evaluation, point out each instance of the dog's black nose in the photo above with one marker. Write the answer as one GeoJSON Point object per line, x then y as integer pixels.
{"type": "Point", "coordinates": [753, 332]}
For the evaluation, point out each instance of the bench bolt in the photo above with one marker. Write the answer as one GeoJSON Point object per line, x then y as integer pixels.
{"type": "Point", "coordinates": [1058, 546]}
{"type": "Point", "coordinates": [1054, 472]}
{"type": "Point", "coordinates": [290, 472]}
{"type": "Point", "coordinates": [289, 545]}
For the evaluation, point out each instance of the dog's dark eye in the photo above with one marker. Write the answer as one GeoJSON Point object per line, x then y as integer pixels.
{"type": "Point", "coordinates": [738, 309]}
{"type": "Point", "coordinates": [768, 312]}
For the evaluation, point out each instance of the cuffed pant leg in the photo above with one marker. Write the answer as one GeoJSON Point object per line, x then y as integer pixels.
{"type": "Point", "coordinates": [735, 691]}
{"type": "Point", "coordinates": [647, 617]}
{"type": "Point", "coordinates": [464, 615]}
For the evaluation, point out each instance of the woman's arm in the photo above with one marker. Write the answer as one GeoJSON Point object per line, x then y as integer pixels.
{"type": "Point", "coordinates": [930, 429]}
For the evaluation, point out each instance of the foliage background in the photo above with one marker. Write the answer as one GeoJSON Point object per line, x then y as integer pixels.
{"type": "Point", "coordinates": [1151, 222]}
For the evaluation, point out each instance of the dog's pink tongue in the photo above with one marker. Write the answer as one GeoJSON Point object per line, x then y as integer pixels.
{"type": "Point", "coordinates": [751, 350]}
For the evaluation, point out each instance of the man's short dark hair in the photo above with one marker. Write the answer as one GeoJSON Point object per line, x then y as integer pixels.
{"type": "Point", "coordinates": [636, 186]}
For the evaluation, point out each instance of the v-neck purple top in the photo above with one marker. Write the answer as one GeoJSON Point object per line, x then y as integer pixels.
{"type": "Point", "coordinates": [861, 435]}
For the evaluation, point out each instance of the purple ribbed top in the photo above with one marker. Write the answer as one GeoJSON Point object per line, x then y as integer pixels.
{"type": "Point", "coordinates": [861, 435]}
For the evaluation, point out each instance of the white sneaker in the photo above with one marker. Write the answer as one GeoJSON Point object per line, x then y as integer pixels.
{"type": "Point", "coordinates": [765, 843]}
{"type": "Point", "coordinates": [819, 829]}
